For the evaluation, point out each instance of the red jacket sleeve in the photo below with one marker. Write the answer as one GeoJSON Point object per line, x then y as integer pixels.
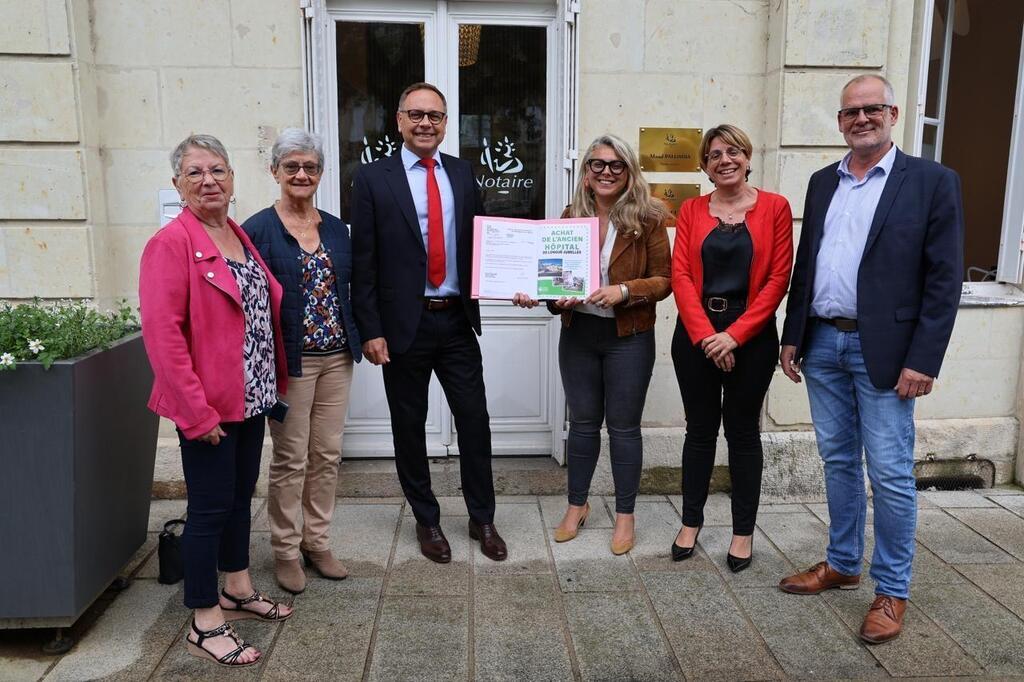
{"type": "Point", "coordinates": [685, 286]}
{"type": "Point", "coordinates": [163, 307]}
{"type": "Point", "coordinates": [766, 301]}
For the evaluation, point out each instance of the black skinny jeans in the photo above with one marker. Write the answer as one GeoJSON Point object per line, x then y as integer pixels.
{"type": "Point", "coordinates": [711, 397]}
{"type": "Point", "coordinates": [605, 377]}
{"type": "Point", "coordinates": [219, 482]}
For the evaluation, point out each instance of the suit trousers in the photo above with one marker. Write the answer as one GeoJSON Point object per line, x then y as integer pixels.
{"type": "Point", "coordinates": [307, 450]}
{"type": "Point", "coordinates": [219, 481]}
{"type": "Point", "coordinates": [446, 345]}
{"type": "Point", "coordinates": [712, 398]}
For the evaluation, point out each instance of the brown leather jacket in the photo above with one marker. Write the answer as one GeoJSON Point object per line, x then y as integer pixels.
{"type": "Point", "coordinates": [643, 263]}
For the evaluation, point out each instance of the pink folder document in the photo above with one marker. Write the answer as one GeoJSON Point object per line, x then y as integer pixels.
{"type": "Point", "coordinates": [545, 259]}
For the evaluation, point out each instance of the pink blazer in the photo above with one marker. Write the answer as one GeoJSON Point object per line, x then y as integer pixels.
{"type": "Point", "coordinates": [194, 328]}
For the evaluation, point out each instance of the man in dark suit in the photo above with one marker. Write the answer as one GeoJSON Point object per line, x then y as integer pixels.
{"type": "Point", "coordinates": [412, 244]}
{"type": "Point", "coordinates": [875, 291]}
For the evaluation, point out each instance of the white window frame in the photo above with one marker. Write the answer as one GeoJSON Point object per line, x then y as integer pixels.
{"type": "Point", "coordinates": [1010, 258]}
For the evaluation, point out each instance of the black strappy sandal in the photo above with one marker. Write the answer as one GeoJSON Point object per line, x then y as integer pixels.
{"type": "Point", "coordinates": [230, 659]}
{"type": "Point", "coordinates": [239, 612]}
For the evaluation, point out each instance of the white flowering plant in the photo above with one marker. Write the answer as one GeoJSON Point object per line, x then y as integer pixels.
{"type": "Point", "coordinates": [46, 332]}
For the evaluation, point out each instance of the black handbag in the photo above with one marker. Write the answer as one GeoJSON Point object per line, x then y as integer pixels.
{"type": "Point", "coordinates": [172, 566]}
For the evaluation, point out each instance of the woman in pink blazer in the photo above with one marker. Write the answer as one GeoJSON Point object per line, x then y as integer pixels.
{"type": "Point", "coordinates": [211, 324]}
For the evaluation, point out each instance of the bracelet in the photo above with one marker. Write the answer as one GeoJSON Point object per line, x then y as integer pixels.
{"type": "Point", "coordinates": [624, 290]}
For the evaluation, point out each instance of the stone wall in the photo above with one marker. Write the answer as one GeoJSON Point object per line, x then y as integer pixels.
{"type": "Point", "coordinates": [93, 96]}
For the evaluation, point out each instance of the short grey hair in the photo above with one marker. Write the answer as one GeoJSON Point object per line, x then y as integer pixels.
{"type": "Point", "coordinates": [292, 140]}
{"type": "Point", "coordinates": [207, 142]}
{"type": "Point", "coordinates": [890, 94]}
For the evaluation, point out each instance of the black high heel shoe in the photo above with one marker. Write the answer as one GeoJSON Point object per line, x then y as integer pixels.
{"type": "Point", "coordinates": [680, 553]}
{"type": "Point", "coordinates": [736, 564]}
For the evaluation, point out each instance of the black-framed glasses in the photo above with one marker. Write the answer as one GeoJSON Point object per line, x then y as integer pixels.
{"type": "Point", "coordinates": [732, 152]}
{"type": "Point", "coordinates": [416, 115]}
{"type": "Point", "coordinates": [293, 168]}
{"type": "Point", "coordinates": [870, 110]}
{"type": "Point", "coordinates": [597, 166]}
{"type": "Point", "coordinates": [218, 173]}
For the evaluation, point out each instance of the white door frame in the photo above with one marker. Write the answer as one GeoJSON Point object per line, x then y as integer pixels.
{"type": "Point", "coordinates": [439, 17]}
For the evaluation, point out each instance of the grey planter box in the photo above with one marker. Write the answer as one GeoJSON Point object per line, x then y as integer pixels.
{"type": "Point", "coordinates": [77, 447]}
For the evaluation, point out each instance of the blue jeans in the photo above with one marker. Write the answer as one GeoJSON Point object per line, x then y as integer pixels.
{"type": "Point", "coordinates": [850, 415]}
{"type": "Point", "coordinates": [605, 377]}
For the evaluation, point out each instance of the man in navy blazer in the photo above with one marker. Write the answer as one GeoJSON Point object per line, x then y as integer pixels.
{"type": "Point", "coordinates": [874, 295]}
{"type": "Point", "coordinates": [412, 246]}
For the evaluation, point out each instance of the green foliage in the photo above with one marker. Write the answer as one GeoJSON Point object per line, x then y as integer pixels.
{"type": "Point", "coordinates": [46, 332]}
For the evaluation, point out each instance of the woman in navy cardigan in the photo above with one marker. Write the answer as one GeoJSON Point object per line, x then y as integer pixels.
{"type": "Point", "coordinates": [309, 252]}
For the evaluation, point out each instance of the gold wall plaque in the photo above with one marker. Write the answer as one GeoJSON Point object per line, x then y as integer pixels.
{"type": "Point", "coordinates": [674, 193]}
{"type": "Point", "coordinates": [670, 149]}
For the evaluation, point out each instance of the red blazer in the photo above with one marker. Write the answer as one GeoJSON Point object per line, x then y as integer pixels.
{"type": "Point", "coordinates": [770, 223]}
{"type": "Point", "coordinates": [194, 328]}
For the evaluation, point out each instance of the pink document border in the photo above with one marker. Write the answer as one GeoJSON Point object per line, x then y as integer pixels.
{"type": "Point", "coordinates": [595, 248]}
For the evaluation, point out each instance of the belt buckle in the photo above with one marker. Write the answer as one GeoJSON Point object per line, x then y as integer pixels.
{"type": "Point", "coordinates": [713, 302]}
{"type": "Point", "coordinates": [436, 303]}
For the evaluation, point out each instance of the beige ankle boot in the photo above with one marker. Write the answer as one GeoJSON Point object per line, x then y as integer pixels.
{"type": "Point", "coordinates": [325, 564]}
{"type": "Point", "coordinates": [289, 575]}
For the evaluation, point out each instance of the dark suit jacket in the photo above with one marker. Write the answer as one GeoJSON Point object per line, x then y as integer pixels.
{"type": "Point", "coordinates": [389, 258]}
{"type": "Point", "coordinates": [909, 281]}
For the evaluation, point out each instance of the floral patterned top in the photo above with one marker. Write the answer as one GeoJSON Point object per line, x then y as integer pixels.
{"type": "Point", "coordinates": [321, 321]}
{"type": "Point", "coordinates": [258, 348]}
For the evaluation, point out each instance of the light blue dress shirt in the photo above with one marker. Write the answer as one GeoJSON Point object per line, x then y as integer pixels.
{"type": "Point", "coordinates": [416, 174]}
{"type": "Point", "coordinates": [847, 223]}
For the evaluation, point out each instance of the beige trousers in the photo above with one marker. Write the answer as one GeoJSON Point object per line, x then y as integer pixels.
{"type": "Point", "coordinates": [307, 449]}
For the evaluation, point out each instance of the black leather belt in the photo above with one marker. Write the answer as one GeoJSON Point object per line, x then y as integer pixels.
{"type": "Point", "coordinates": [843, 324]}
{"type": "Point", "coordinates": [440, 303]}
{"type": "Point", "coordinates": [718, 304]}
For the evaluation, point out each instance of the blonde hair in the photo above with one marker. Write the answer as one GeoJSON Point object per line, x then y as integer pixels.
{"type": "Point", "coordinates": [731, 135]}
{"type": "Point", "coordinates": [635, 209]}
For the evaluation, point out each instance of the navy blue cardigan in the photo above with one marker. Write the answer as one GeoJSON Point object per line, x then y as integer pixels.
{"type": "Point", "coordinates": [282, 254]}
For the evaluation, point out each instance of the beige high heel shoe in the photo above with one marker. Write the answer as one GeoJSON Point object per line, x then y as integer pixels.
{"type": "Point", "coordinates": [566, 535]}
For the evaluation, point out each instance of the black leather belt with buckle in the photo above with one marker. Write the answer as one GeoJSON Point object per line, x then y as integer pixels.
{"type": "Point", "coordinates": [843, 324]}
{"type": "Point", "coordinates": [440, 303]}
{"type": "Point", "coordinates": [718, 304]}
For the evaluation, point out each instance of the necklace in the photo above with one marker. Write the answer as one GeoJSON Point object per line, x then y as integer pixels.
{"type": "Point", "coordinates": [307, 221]}
{"type": "Point", "coordinates": [728, 209]}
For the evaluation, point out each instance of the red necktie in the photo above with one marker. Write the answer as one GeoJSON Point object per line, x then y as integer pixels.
{"type": "Point", "coordinates": [435, 228]}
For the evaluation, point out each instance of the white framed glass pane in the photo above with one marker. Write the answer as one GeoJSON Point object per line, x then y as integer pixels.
{"type": "Point", "coordinates": [376, 61]}
{"type": "Point", "coordinates": [503, 113]}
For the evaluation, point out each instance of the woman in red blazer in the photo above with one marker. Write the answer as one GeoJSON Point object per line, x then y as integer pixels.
{"type": "Point", "coordinates": [211, 325]}
{"type": "Point", "coordinates": [730, 269]}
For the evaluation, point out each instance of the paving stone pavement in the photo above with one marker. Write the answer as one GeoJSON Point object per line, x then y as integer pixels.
{"type": "Point", "coordinates": [572, 611]}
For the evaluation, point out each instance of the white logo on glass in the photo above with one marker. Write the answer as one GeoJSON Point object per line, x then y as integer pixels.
{"type": "Point", "coordinates": [503, 157]}
{"type": "Point", "coordinates": [501, 160]}
{"type": "Point", "coordinates": [385, 147]}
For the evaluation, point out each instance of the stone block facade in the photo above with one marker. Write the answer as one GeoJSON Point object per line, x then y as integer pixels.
{"type": "Point", "coordinates": [94, 94]}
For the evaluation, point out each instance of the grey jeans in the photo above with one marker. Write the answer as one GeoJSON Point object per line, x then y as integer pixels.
{"type": "Point", "coordinates": [605, 379]}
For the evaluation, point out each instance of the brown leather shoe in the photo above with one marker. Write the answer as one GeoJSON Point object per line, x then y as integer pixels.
{"type": "Point", "coordinates": [325, 564]}
{"type": "Point", "coordinates": [289, 575]}
{"type": "Point", "coordinates": [884, 620]}
{"type": "Point", "coordinates": [433, 544]}
{"type": "Point", "coordinates": [491, 543]}
{"type": "Point", "coordinates": [818, 578]}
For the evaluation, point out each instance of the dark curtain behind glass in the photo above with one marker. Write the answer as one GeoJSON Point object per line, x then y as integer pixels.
{"type": "Point", "coordinates": [376, 61]}
{"type": "Point", "coordinates": [503, 115]}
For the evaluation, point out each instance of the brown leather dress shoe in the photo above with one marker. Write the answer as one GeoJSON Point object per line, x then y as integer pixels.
{"type": "Point", "coordinates": [818, 578]}
{"type": "Point", "coordinates": [433, 544]}
{"type": "Point", "coordinates": [884, 620]}
{"type": "Point", "coordinates": [491, 543]}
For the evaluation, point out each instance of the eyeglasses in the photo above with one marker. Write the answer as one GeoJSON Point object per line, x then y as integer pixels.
{"type": "Point", "coordinates": [292, 168]}
{"type": "Point", "coordinates": [416, 115]}
{"type": "Point", "coordinates": [597, 166]}
{"type": "Point", "coordinates": [218, 173]}
{"type": "Point", "coordinates": [870, 110]}
{"type": "Point", "coordinates": [715, 156]}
